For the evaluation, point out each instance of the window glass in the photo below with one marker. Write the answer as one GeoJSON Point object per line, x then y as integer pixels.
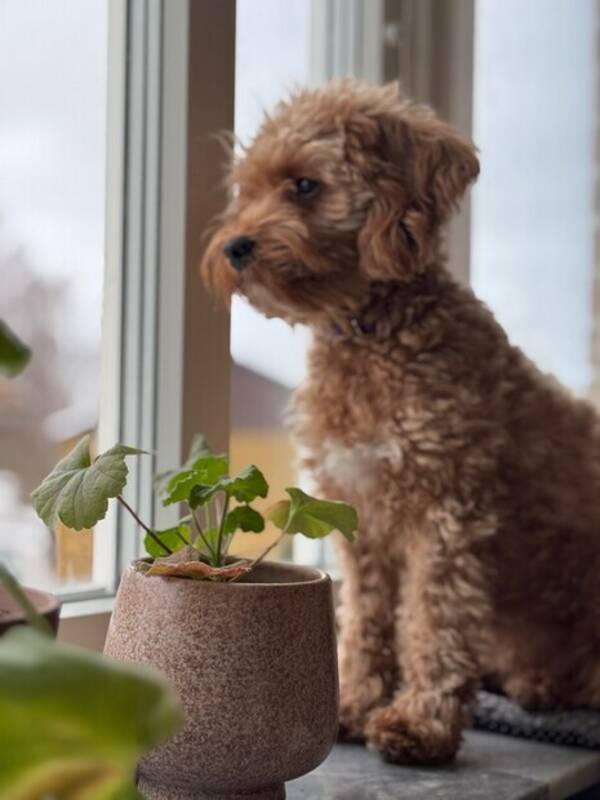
{"type": "Point", "coordinates": [272, 56]}
{"type": "Point", "coordinates": [534, 208]}
{"type": "Point", "coordinates": [52, 161]}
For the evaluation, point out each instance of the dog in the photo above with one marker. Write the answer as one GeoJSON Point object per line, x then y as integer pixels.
{"type": "Point", "coordinates": [475, 476]}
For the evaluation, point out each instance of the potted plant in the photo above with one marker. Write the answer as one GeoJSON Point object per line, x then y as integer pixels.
{"type": "Point", "coordinates": [249, 644]}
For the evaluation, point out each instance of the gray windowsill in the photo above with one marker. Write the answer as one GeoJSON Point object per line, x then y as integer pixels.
{"type": "Point", "coordinates": [488, 767]}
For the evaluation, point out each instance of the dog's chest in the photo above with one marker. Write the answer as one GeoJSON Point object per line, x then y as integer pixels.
{"type": "Point", "coordinates": [353, 472]}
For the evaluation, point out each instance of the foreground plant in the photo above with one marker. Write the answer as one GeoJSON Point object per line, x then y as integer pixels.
{"type": "Point", "coordinates": [216, 506]}
{"type": "Point", "coordinates": [74, 724]}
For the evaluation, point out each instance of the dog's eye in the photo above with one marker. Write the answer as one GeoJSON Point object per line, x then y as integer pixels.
{"type": "Point", "coordinates": [305, 187]}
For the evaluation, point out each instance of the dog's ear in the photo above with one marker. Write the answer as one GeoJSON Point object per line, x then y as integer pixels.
{"type": "Point", "coordinates": [419, 168]}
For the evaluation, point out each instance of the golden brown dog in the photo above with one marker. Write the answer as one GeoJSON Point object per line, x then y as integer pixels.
{"type": "Point", "coordinates": [476, 478]}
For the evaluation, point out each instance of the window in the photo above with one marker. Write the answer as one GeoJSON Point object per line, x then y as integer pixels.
{"type": "Point", "coordinates": [534, 208]}
{"type": "Point", "coordinates": [52, 193]}
{"type": "Point", "coordinates": [112, 88]}
{"type": "Point", "coordinates": [268, 356]}
{"type": "Point", "coordinates": [106, 154]}
{"type": "Point", "coordinates": [121, 90]}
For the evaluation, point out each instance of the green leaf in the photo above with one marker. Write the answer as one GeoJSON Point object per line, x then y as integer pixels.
{"type": "Point", "coordinates": [206, 470]}
{"type": "Point", "coordinates": [315, 518]}
{"type": "Point", "coordinates": [249, 484]}
{"type": "Point", "coordinates": [74, 724]}
{"type": "Point", "coordinates": [199, 450]}
{"type": "Point", "coordinates": [279, 513]}
{"type": "Point", "coordinates": [14, 355]}
{"type": "Point", "coordinates": [244, 518]}
{"type": "Point", "coordinates": [77, 490]}
{"type": "Point", "coordinates": [174, 538]}
{"type": "Point", "coordinates": [200, 495]}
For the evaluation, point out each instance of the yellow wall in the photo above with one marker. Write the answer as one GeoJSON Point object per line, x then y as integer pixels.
{"type": "Point", "coordinates": [74, 549]}
{"type": "Point", "coordinates": [272, 453]}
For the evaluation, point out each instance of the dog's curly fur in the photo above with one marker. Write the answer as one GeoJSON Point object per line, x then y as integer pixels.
{"type": "Point", "coordinates": [476, 478]}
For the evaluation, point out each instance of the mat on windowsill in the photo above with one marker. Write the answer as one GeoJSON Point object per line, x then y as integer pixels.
{"type": "Point", "coordinates": [498, 714]}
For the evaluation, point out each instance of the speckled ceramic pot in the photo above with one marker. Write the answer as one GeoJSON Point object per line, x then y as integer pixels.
{"type": "Point", "coordinates": [255, 665]}
{"type": "Point", "coordinates": [44, 603]}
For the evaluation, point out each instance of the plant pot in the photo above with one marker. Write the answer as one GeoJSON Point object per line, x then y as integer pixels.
{"type": "Point", "coordinates": [255, 665]}
{"type": "Point", "coordinates": [44, 603]}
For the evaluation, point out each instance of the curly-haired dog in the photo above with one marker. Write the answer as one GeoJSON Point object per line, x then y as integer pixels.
{"type": "Point", "coordinates": [476, 478]}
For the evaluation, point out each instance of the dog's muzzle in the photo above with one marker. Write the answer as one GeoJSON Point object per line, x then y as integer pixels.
{"type": "Point", "coordinates": [239, 252]}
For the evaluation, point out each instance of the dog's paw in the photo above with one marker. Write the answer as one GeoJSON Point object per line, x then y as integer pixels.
{"type": "Point", "coordinates": [402, 738]}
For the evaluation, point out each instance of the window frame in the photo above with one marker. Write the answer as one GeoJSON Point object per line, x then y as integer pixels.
{"type": "Point", "coordinates": [158, 322]}
{"type": "Point", "coordinates": [346, 39]}
{"type": "Point", "coordinates": [429, 47]}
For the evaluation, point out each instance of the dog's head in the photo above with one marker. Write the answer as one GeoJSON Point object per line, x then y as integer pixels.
{"type": "Point", "coordinates": [341, 187]}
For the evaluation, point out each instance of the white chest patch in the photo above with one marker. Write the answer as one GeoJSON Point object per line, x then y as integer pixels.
{"type": "Point", "coordinates": [356, 467]}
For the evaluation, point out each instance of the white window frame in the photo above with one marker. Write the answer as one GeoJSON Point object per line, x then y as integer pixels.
{"type": "Point", "coordinates": [346, 39]}
{"type": "Point", "coordinates": [158, 323]}
{"type": "Point", "coordinates": [430, 47]}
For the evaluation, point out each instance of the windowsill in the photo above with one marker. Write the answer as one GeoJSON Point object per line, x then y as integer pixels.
{"type": "Point", "coordinates": [86, 608]}
{"type": "Point", "coordinates": [488, 766]}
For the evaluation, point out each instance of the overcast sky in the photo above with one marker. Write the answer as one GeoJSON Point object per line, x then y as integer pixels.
{"type": "Point", "coordinates": [534, 216]}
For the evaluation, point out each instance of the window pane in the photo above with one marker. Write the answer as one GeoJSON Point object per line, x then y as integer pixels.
{"type": "Point", "coordinates": [534, 212]}
{"type": "Point", "coordinates": [268, 355]}
{"type": "Point", "coordinates": [52, 161]}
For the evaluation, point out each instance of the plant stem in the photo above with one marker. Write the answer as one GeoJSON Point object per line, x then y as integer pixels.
{"type": "Point", "coordinates": [183, 539]}
{"type": "Point", "coordinates": [211, 552]}
{"type": "Point", "coordinates": [143, 525]}
{"type": "Point", "coordinates": [221, 531]}
{"type": "Point", "coordinates": [211, 513]}
{"type": "Point", "coordinates": [266, 552]}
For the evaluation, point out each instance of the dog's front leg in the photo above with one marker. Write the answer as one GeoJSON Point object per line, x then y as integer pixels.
{"type": "Point", "coordinates": [367, 661]}
{"type": "Point", "coordinates": [446, 612]}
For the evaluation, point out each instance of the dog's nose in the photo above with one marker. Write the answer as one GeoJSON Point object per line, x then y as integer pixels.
{"type": "Point", "coordinates": [239, 251]}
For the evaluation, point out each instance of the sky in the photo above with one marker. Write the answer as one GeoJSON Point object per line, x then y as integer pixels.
{"type": "Point", "coordinates": [272, 56]}
{"type": "Point", "coordinates": [533, 209]}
